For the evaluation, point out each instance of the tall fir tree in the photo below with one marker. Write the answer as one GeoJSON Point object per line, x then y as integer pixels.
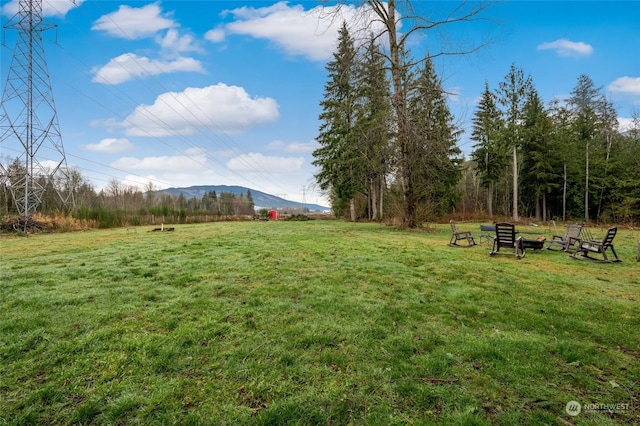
{"type": "Point", "coordinates": [563, 141]}
{"type": "Point", "coordinates": [585, 100]}
{"type": "Point", "coordinates": [539, 155]}
{"type": "Point", "coordinates": [511, 95]}
{"type": "Point", "coordinates": [338, 158]}
{"type": "Point", "coordinates": [373, 125]}
{"type": "Point", "coordinates": [436, 159]}
{"type": "Point", "coordinates": [489, 152]}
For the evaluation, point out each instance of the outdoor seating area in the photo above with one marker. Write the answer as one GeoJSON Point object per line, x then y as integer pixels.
{"type": "Point", "coordinates": [506, 239]}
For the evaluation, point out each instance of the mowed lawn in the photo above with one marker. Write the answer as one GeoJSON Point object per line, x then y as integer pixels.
{"type": "Point", "coordinates": [319, 322]}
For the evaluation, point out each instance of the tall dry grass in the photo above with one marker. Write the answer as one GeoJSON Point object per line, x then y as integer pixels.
{"type": "Point", "coordinates": [62, 222]}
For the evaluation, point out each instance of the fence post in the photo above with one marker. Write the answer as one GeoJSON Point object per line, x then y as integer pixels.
{"type": "Point", "coordinates": [638, 257]}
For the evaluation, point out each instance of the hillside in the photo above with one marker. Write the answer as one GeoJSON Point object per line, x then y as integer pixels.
{"type": "Point", "coordinates": [260, 199]}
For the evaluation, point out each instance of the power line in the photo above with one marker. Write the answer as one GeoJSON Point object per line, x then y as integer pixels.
{"type": "Point", "coordinates": [265, 174]}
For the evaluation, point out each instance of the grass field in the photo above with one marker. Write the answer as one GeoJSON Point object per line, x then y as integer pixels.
{"type": "Point", "coordinates": [319, 322]}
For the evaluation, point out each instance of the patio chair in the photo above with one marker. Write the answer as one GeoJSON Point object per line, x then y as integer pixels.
{"type": "Point", "coordinates": [487, 232]}
{"type": "Point", "coordinates": [586, 249]}
{"type": "Point", "coordinates": [567, 241]}
{"type": "Point", "coordinates": [460, 236]}
{"type": "Point", "coordinates": [506, 238]}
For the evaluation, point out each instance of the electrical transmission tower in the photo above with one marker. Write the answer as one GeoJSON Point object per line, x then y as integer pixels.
{"type": "Point", "coordinates": [29, 128]}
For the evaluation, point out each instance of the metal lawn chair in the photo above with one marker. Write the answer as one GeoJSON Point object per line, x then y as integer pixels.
{"type": "Point", "coordinates": [487, 232]}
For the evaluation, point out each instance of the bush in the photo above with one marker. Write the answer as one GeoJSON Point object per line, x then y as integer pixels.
{"type": "Point", "coordinates": [298, 217]}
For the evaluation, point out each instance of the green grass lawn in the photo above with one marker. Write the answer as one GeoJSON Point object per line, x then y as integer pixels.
{"type": "Point", "coordinates": [319, 322]}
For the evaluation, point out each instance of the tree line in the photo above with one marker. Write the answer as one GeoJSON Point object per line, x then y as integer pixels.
{"type": "Point", "coordinates": [119, 204]}
{"type": "Point", "coordinates": [384, 155]}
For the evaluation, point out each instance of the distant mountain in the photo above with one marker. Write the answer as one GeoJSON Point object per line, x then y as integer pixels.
{"type": "Point", "coordinates": [260, 199]}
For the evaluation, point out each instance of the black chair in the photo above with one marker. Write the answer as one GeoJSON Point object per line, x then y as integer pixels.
{"type": "Point", "coordinates": [506, 238]}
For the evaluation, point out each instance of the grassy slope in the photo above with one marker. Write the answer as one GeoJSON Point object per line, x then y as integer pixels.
{"type": "Point", "coordinates": [310, 323]}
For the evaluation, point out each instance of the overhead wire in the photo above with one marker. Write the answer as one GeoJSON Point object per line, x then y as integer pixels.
{"type": "Point", "coordinates": [196, 106]}
{"type": "Point", "coordinates": [122, 95]}
{"type": "Point", "coordinates": [160, 122]}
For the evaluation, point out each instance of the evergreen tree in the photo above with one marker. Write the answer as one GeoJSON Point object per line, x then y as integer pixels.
{"type": "Point", "coordinates": [604, 181]}
{"type": "Point", "coordinates": [511, 95]}
{"type": "Point", "coordinates": [489, 153]}
{"type": "Point", "coordinates": [337, 158]}
{"type": "Point", "coordinates": [539, 163]}
{"type": "Point", "coordinates": [562, 140]}
{"type": "Point", "coordinates": [625, 192]}
{"type": "Point", "coordinates": [436, 159]}
{"type": "Point", "coordinates": [250, 205]}
{"type": "Point", "coordinates": [585, 101]}
{"type": "Point", "coordinates": [373, 125]}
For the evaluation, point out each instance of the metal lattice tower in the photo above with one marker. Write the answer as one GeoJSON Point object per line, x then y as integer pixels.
{"type": "Point", "coordinates": [29, 130]}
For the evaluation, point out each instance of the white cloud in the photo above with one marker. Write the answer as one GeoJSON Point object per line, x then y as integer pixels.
{"type": "Point", "coordinates": [219, 108]}
{"type": "Point", "coordinates": [191, 160]}
{"type": "Point", "coordinates": [256, 162]}
{"type": "Point", "coordinates": [301, 147]}
{"type": "Point", "coordinates": [277, 145]}
{"type": "Point", "coordinates": [215, 35]}
{"type": "Point", "coordinates": [173, 42]}
{"type": "Point", "coordinates": [49, 165]}
{"type": "Point", "coordinates": [312, 34]}
{"type": "Point", "coordinates": [564, 47]}
{"type": "Point", "coordinates": [111, 145]}
{"type": "Point", "coordinates": [293, 147]}
{"type": "Point", "coordinates": [625, 124]}
{"type": "Point", "coordinates": [134, 23]}
{"type": "Point", "coordinates": [49, 7]}
{"type": "Point", "coordinates": [129, 66]}
{"type": "Point", "coordinates": [141, 182]}
{"type": "Point", "coordinates": [627, 85]}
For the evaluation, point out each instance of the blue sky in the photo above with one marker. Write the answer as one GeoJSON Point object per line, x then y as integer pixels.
{"type": "Point", "coordinates": [182, 93]}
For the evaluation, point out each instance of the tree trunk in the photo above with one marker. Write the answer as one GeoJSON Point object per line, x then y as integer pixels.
{"type": "Point", "coordinates": [544, 207]}
{"type": "Point", "coordinates": [586, 188]}
{"type": "Point", "coordinates": [490, 200]}
{"type": "Point", "coordinates": [515, 184]}
{"type": "Point", "coordinates": [380, 209]}
{"type": "Point", "coordinates": [374, 200]}
{"type": "Point", "coordinates": [400, 106]}
{"type": "Point", "coordinates": [564, 192]}
{"type": "Point", "coordinates": [606, 163]}
{"type": "Point", "coordinates": [352, 209]}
